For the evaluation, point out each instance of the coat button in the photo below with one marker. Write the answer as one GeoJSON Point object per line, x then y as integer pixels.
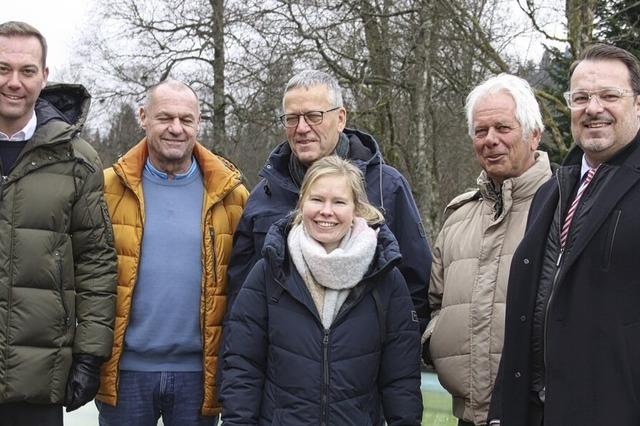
{"type": "Point", "coordinates": [525, 261]}
{"type": "Point", "coordinates": [518, 374]}
{"type": "Point", "coordinates": [33, 163]}
{"type": "Point", "coordinates": [523, 318]}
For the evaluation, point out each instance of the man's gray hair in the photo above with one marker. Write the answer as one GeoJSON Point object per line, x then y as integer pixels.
{"type": "Point", "coordinates": [313, 78]}
{"type": "Point", "coordinates": [527, 108]}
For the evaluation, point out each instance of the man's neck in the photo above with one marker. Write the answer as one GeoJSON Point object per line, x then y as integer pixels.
{"type": "Point", "coordinates": [172, 168]}
{"type": "Point", "coordinates": [11, 127]}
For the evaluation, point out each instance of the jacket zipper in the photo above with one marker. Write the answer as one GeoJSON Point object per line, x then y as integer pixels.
{"type": "Point", "coordinates": [553, 283]}
{"type": "Point", "coordinates": [212, 233]}
{"type": "Point", "coordinates": [324, 399]}
{"type": "Point", "coordinates": [325, 378]}
{"type": "Point", "coordinates": [3, 181]}
{"type": "Point", "coordinates": [67, 318]}
{"type": "Point", "coordinates": [126, 184]}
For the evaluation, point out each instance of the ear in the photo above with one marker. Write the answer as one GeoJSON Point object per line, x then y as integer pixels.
{"type": "Point", "coordinates": [143, 118]}
{"type": "Point", "coordinates": [342, 118]}
{"type": "Point", "coordinates": [45, 74]}
{"type": "Point", "coordinates": [534, 139]}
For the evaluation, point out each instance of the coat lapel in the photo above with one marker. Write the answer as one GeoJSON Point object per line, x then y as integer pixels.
{"type": "Point", "coordinates": [620, 183]}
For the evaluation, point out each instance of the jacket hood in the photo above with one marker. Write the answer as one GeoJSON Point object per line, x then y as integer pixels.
{"type": "Point", "coordinates": [363, 150]}
{"type": "Point", "coordinates": [61, 110]}
{"type": "Point", "coordinates": [67, 102]}
{"type": "Point", "coordinates": [276, 253]}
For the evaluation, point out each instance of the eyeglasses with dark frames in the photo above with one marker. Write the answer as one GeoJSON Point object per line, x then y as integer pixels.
{"type": "Point", "coordinates": [312, 118]}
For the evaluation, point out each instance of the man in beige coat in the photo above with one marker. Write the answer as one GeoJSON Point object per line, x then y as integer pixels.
{"type": "Point", "coordinates": [473, 251]}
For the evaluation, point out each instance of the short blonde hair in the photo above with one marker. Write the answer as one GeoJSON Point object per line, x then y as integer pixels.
{"type": "Point", "coordinates": [332, 165]}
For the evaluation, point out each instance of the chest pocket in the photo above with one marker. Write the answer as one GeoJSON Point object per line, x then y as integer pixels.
{"type": "Point", "coordinates": [610, 238]}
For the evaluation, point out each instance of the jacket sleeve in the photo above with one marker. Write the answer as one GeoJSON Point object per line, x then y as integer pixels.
{"type": "Point", "coordinates": [495, 407]}
{"type": "Point", "coordinates": [436, 292]}
{"type": "Point", "coordinates": [404, 221]}
{"type": "Point", "coordinates": [243, 258]}
{"type": "Point", "coordinates": [94, 263]}
{"type": "Point", "coordinates": [245, 355]}
{"type": "Point", "coordinates": [399, 377]}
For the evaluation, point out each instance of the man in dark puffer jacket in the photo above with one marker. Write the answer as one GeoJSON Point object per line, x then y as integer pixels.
{"type": "Point", "coordinates": [57, 263]}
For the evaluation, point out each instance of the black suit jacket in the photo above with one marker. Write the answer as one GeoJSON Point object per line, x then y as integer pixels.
{"type": "Point", "coordinates": [592, 337]}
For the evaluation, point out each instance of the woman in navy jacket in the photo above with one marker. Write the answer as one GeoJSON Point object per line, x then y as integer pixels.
{"type": "Point", "coordinates": [323, 331]}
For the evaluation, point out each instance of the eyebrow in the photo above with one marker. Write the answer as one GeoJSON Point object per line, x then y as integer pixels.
{"type": "Point", "coordinates": [168, 114]}
{"type": "Point", "coordinates": [496, 124]}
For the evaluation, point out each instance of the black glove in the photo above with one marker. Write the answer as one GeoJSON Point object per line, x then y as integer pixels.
{"type": "Point", "coordinates": [83, 381]}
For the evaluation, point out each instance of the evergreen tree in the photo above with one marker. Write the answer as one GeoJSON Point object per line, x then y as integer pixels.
{"type": "Point", "coordinates": [619, 24]}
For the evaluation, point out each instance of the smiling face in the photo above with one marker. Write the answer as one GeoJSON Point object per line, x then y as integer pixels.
{"type": "Point", "coordinates": [599, 130]}
{"type": "Point", "coordinates": [498, 140]}
{"type": "Point", "coordinates": [310, 143]}
{"type": "Point", "coordinates": [22, 77]}
{"type": "Point", "coordinates": [171, 119]}
{"type": "Point", "coordinates": [328, 210]}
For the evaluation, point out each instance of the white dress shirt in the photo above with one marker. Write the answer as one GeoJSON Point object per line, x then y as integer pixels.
{"type": "Point", "coordinates": [25, 133]}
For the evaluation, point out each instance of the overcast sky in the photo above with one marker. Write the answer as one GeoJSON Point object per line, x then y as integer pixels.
{"type": "Point", "coordinates": [59, 21]}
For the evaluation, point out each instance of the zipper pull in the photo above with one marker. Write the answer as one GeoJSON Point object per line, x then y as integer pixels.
{"type": "Point", "coordinates": [3, 180]}
{"type": "Point", "coordinates": [560, 256]}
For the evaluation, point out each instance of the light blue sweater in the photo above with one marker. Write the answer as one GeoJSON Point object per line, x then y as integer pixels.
{"type": "Point", "coordinates": [164, 327]}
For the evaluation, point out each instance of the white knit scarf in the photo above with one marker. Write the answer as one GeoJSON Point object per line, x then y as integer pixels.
{"type": "Point", "coordinates": [330, 276]}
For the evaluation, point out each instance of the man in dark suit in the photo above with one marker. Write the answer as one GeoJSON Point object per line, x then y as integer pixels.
{"type": "Point", "coordinates": [572, 336]}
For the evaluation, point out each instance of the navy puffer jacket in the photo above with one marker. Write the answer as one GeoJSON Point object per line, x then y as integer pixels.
{"type": "Point", "coordinates": [281, 367]}
{"type": "Point", "coordinates": [276, 195]}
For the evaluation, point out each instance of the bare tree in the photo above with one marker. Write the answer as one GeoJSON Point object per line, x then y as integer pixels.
{"type": "Point", "coordinates": [406, 65]}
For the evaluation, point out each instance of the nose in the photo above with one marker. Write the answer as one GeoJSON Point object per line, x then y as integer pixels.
{"type": "Point", "coordinates": [327, 209]}
{"type": "Point", "coordinates": [175, 126]}
{"type": "Point", "coordinates": [492, 136]}
{"type": "Point", "coordinates": [594, 106]}
{"type": "Point", "coordinates": [302, 126]}
{"type": "Point", "coordinates": [14, 80]}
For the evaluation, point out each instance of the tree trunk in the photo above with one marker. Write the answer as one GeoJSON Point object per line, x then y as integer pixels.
{"type": "Point", "coordinates": [579, 24]}
{"type": "Point", "coordinates": [219, 100]}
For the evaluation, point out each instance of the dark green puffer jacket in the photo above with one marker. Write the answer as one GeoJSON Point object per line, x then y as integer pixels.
{"type": "Point", "coordinates": [57, 262]}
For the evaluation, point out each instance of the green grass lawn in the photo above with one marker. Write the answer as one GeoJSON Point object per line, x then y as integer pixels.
{"type": "Point", "coordinates": [437, 409]}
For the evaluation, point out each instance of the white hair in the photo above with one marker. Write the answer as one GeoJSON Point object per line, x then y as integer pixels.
{"type": "Point", "coordinates": [527, 108]}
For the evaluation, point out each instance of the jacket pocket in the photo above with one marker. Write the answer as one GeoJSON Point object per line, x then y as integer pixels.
{"type": "Point", "coordinates": [60, 288]}
{"type": "Point", "coordinates": [212, 235]}
{"type": "Point", "coordinates": [610, 238]}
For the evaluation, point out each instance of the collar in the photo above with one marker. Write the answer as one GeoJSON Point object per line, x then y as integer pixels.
{"type": "Point", "coordinates": [25, 133]}
{"type": "Point", "coordinates": [584, 169]}
{"type": "Point", "coordinates": [162, 175]}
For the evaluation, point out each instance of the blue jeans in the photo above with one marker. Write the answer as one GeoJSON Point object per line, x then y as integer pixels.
{"type": "Point", "coordinates": [145, 396]}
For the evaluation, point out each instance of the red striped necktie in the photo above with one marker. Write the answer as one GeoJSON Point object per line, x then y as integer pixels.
{"type": "Point", "coordinates": [574, 205]}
